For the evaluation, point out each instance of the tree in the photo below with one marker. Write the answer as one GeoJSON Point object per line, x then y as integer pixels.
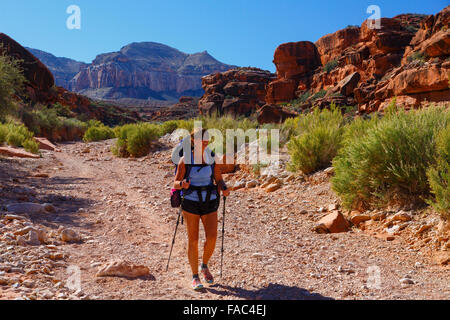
{"type": "Point", "coordinates": [11, 82]}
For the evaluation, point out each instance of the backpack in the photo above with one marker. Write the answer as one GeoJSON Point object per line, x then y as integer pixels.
{"type": "Point", "coordinates": [176, 196]}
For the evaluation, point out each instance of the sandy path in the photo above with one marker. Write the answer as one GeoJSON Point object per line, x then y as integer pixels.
{"type": "Point", "coordinates": [122, 209]}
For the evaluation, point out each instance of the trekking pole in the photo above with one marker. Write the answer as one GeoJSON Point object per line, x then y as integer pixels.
{"type": "Point", "coordinates": [173, 241]}
{"type": "Point", "coordinates": [223, 234]}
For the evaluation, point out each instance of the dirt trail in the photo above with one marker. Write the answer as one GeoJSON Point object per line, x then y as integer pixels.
{"type": "Point", "coordinates": [121, 208]}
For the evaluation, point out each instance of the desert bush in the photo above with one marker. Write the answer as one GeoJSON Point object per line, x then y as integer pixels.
{"type": "Point", "coordinates": [44, 120]}
{"type": "Point", "coordinates": [93, 123]}
{"type": "Point", "coordinates": [439, 174]}
{"type": "Point", "coordinates": [169, 127]}
{"type": "Point", "coordinates": [318, 95]}
{"type": "Point", "coordinates": [31, 146]}
{"type": "Point", "coordinates": [387, 160]}
{"type": "Point", "coordinates": [329, 66]}
{"type": "Point", "coordinates": [15, 139]}
{"type": "Point", "coordinates": [11, 82]}
{"type": "Point", "coordinates": [135, 139]}
{"type": "Point", "coordinates": [317, 141]}
{"type": "Point", "coordinates": [14, 134]}
{"type": "Point", "coordinates": [3, 133]}
{"type": "Point", "coordinates": [63, 111]}
{"type": "Point", "coordinates": [98, 133]}
{"type": "Point", "coordinates": [417, 56]}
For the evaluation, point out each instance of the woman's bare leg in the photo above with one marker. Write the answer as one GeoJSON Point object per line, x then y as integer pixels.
{"type": "Point", "coordinates": [192, 225]}
{"type": "Point", "coordinates": [210, 225]}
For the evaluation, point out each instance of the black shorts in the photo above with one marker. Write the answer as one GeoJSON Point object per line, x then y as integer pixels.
{"type": "Point", "coordinates": [196, 207]}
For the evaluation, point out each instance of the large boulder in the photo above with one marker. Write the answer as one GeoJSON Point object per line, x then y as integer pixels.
{"type": "Point", "coordinates": [295, 62]}
{"type": "Point", "coordinates": [281, 90]}
{"type": "Point", "coordinates": [274, 114]}
{"type": "Point", "coordinates": [17, 153]}
{"type": "Point", "coordinates": [235, 92]}
{"type": "Point", "coordinates": [347, 85]}
{"type": "Point", "coordinates": [432, 38]}
{"type": "Point", "coordinates": [419, 80]}
{"type": "Point", "coordinates": [39, 78]}
{"type": "Point", "coordinates": [295, 59]}
{"type": "Point", "coordinates": [332, 45]}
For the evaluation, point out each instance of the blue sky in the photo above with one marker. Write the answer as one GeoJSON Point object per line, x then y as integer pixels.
{"type": "Point", "coordinates": [240, 32]}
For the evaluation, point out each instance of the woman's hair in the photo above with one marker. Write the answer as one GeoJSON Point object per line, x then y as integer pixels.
{"type": "Point", "coordinates": [204, 135]}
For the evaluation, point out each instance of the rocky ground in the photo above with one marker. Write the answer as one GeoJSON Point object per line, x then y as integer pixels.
{"type": "Point", "coordinates": [95, 208]}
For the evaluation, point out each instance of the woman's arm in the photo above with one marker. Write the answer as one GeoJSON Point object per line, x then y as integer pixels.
{"type": "Point", "coordinates": [219, 180]}
{"type": "Point", "coordinates": [179, 182]}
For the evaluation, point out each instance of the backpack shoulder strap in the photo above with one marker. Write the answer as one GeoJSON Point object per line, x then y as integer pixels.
{"type": "Point", "coordinates": [188, 170]}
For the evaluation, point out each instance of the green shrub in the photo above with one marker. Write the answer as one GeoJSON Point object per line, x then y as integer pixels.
{"type": "Point", "coordinates": [329, 66]}
{"type": "Point", "coordinates": [318, 139]}
{"type": "Point", "coordinates": [11, 82]}
{"type": "Point", "coordinates": [135, 139]}
{"type": "Point", "coordinates": [410, 28]}
{"type": "Point", "coordinates": [15, 139]}
{"type": "Point", "coordinates": [31, 146]}
{"type": "Point", "coordinates": [439, 175]}
{"type": "Point", "coordinates": [74, 123]}
{"type": "Point", "coordinates": [319, 95]}
{"type": "Point", "coordinates": [63, 111]}
{"type": "Point", "coordinates": [48, 119]}
{"type": "Point", "coordinates": [45, 121]}
{"type": "Point", "coordinates": [304, 97]}
{"type": "Point", "coordinates": [17, 135]}
{"type": "Point", "coordinates": [3, 133]}
{"type": "Point", "coordinates": [417, 56]}
{"type": "Point", "coordinates": [169, 127]}
{"type": "Point", "coordinates": [387, 159]}
{"type": "Point", "coordinates": [98, 133]}
{"type": "Point", "coordinates": [93, 123]}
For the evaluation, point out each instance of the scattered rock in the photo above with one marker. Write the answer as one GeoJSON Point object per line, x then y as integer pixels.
{"type": "Point", "coordinates": [123, 269]}
{"type": "Point", "coordinates": [33, 238]}
{"type": "Point", "coordinates": [334, 222]}
{"type": "Point", "coordinates": [357, 219]}
{"type": "Point", "coordinates": [49, 207]}
{"type": "Point", "coordinates": [406, 281]}
{"type": "Point", "coordinates": [378, 216]}
{"type": "Point", "coordinates": [251, 184]}
{"type": "Point", "coordinates": [401, 216]}
{"type": "Point", "coordinates": [18, 153]}
{"type": "Point", "coordinates": [423, 228]}
{"type": "Point", "coordinates": [273, 187]}
{"type": "Point", "coordinates": [44, 144]}
{"type": "Point", "coordinates": [332, 207]}
{"type": "Point", "coordinates": [69, 235]}
{"type": "Point", "coordinates": [21, 241]}
{"type": "Point", "coordinates": [239, 185]}
{"type": "Point", "coordinates": [442, 258]}
{"type": "Point", "coordinates": [345, 270]}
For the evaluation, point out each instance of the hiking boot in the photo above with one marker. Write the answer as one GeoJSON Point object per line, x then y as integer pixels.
{"type": "Point", "coordinates": [207, 275]}
{"type": "Point", "coordinates": [196, 284]}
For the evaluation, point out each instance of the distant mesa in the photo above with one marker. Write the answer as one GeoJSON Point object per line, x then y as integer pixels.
{"type": "Point", "coordinates": [145, 70]}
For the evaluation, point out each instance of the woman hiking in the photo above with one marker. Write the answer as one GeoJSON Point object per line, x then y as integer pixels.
{"type": "Point", "coordinates": [202, 184]}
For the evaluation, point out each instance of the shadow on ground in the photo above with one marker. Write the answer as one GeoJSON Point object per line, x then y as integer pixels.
{"type": "Point", "coordinates": [18, 174]}
{"type": "Point", "coordinates": [273, 291]}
